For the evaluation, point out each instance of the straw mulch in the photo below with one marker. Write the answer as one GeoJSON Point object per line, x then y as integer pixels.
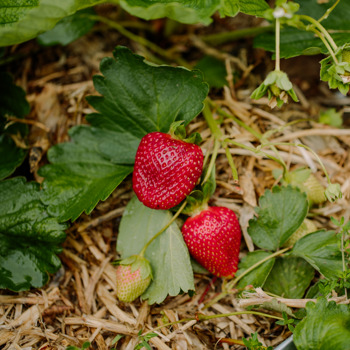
{"type": "Point", "coordinates": [79, 304]}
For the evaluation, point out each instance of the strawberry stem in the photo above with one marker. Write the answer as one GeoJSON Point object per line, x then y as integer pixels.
{"type": "Point", "coordinates": [306, 147]}
{"type": "Point", "coordinates": [238, 121]}
{"type": "Point", "coordinates": [232, 283]}
{"type": "Point", "coordinates": [217, 142]}
{"type": "Point", "coordinates": [139, 39]}
{"type": "Point", "coordinates": [321, 28]}
{"type": "Point", "coordinates": [326, 14]}
{"type": "Point", "coordinates": [277, 43]}
{"type": "Point", "coordinates": [212, 160]}
{"type": "Point", "coordinates": [211, 122]}
{"type": "Point", "coordinates": [201, 317]}
{"type": "Point", "coordinates": [142, 253]}
{"type": "Point", "coordinates": [258, 151]}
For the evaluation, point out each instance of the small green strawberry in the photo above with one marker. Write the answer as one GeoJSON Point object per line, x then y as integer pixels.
{"type": "Point", "coordinates": [308, 183]}
{"type": "Point", "coordinates": [305, 228]}
{"type": "Point", "coordinates": [134, 274]}
{"type": "Point", "coordinates": [314, 190]}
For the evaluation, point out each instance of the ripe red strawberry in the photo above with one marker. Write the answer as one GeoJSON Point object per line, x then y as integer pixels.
{"type": "Point", "coordinates": [166, 170]}
{"type": "Point", "coordinates": [133, 277]}
{"type": "Point", "coordinates": [213, 238]}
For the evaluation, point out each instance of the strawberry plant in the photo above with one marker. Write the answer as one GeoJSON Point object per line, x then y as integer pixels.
{"type": "Point", "coordinates": [138, 124]}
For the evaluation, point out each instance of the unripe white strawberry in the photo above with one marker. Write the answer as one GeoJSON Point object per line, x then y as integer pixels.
{"type": "Point", "coordinates": [314, 190]}
{"type": "Point", "coordinates": [305, 228]}
{"type": "Point", "coordinates": [134, 275]}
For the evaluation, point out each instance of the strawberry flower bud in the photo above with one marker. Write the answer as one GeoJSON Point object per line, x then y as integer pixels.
{"type": "Point", "coordinates": [284, 10]}
{"type": "Point", "coordinates": [333, 192]}
{"type": "Point", "coordinates": [278, 86]}
{"type": "Point", "coordinates": [337, 74]}
{"type": "Point", "coordinates": [134, 274]}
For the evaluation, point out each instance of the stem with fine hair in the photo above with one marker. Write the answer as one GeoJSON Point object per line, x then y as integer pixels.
{"type": "Point", "coordinates": [142, 253]}
{"type": "Point", "coordinates": [277, 43]}
{"type": "Point", "coordinates": [217, 134]}
{"type": "Point", "coordinates": [258, 151]}
{"type": "Point", "coordinates": [238, 121]}
{"type": "Point", "coordinates": [322, 29]}
{"type": "Point", "coordinates": [326, 14]}
{"type": "Point", "coordinates": [201, 317]}
{"type": "Point", "coordinates": [303, 146]}
{"type": "Point", "coordinates": [138, 39]}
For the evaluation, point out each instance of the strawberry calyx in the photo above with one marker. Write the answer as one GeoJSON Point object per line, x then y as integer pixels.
{"type": "Point", "coordinates": [178, 132]}
{"type": "Point", "coordinates": [197, 200]}
{"type": "Point", "coordinates": [278, 87]}
{"type": "Point", "coordinates": [138, 262]}
{"type": "Point", "coordinates": [333, 192]}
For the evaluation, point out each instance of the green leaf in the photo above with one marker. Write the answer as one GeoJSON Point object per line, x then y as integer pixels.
{"type": "Point", "coordinates": [249, 7]}
{"type": "Point", "coordinates": [321, 250]}
{"type": "Point", "coordinates": [13, 103]}
{"type": "Point", "coordinates": [29, 237]}
{"type": "Point", "coordinates": [253, 7]}
{"type": "Point", "coordinates": [78, 177]}
{"type": "Point", "coordinates": [214, 71]}
{"type": "Point", "coordinates": [185, 11]}
{"type": "Point", "coordinates": [295, 42]}
{"type": "Point", "coordinates": [168, 254]}
{"type": "Point", "coordinates": [138, 98]}
{"type": "Point", "coordinates": [326, 326]}
{"type": "Point", "coordinates": [280, 213]}
{"type": "Point", "coordinates": [229, 8]}
{"type": "Point", "coordinates": [289, 278]}
{"type": "Point", "coordinates": [198, 268]}
{"type": "Point", "coordinates": [258, 276]}
{"type": "Point", "coordinates": [11, 156]}
{"type": "Point", "coordinates": [118, 148]}
{"type": "Point", "coordinates": [68, 29]}
{"type": "Point", "coordinates": [22, 20]}
{"type": "Point", "coordinates": [331, 117]}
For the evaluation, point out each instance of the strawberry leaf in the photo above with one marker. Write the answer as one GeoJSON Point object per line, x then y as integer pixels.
{"type": "Point", "coordinates": [12, 104]}
{"type": "Point", "coordinates": [258, 276]}
{"type": "Point", "coordinates": [68, 29]}
{"type": "Point", "coordinates": [326, 326]}
{"type": "Point", "coordinates": [139, 98]}
{"type": "Point", "coordinates": [289, 278]}
{"type": "Point", "coordinates": [280, 213]}
{"type": "Point", "coordinates": [10, 156]}
{"type": "Point", "coordinates": [22, 20]}
{"type": "Point", "coordinates": [29, 237]}
{"type": "Point", "coordinates": [78, 176]}
{"type": "Point", "coordinates": [168, 254]}
{"type": "Point", "coordinates": [321, 250]}
{"type": "Point", "coordinates": [185, 11]}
